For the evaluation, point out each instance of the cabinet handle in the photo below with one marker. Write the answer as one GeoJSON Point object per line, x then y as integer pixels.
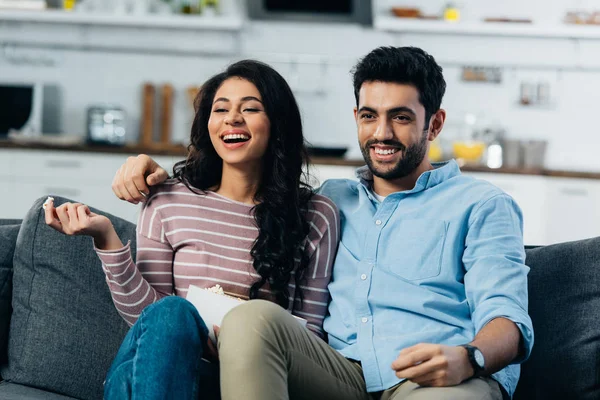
{"type": "Point", "coordinates": [63, 164]}
{"type": "Point", "coordinates": [67, 192]}
{"type": "Point", "coordinates": [574, 192]}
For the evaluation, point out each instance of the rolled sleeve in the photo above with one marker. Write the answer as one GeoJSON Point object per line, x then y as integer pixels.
{"type": "Point", "coordinates": [496, 277]}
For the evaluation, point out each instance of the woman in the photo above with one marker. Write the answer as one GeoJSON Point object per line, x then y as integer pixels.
{"type": "Point", "coordinates": [237, 214]}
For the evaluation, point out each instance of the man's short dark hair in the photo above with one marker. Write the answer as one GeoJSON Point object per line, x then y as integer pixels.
{"type": "Point", "coordinates": [404, 65]}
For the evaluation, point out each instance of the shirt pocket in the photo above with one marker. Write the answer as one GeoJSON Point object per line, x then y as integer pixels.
{"type": "Point", "coordinates": [412, 249]}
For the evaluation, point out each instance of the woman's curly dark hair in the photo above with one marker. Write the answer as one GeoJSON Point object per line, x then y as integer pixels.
{"type": "Point", "coordinates": [283, 194]}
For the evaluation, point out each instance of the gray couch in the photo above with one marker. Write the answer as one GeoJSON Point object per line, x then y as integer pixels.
{"type": "Point", "coordinates": [59, 330]}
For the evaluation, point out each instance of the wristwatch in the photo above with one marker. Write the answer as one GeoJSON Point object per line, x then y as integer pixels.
{"type": "Point", "coordinates": [476, 359]}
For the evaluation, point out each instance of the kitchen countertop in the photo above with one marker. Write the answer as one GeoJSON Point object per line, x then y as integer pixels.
{"type": "Point", "coordinates": [180, 150]}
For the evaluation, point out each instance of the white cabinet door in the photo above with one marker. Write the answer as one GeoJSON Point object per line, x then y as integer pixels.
{"type": "Point", "coordinates": [574, 209]}
{"type": "Point", "coordinates": [530, 194]}
{"type": "Point", "coordinates": [319, 173]}
{"type": "Point", "coordinates": [84, 177]}
{"type": "Point", "coordinates": [6, 162]}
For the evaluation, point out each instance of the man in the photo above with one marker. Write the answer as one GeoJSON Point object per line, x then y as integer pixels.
{"type": "Point", "coordinates": [429, 289]}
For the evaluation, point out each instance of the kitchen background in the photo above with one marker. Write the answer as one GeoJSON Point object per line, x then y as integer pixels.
{"type": "Point", "coordinates": [523, 81]}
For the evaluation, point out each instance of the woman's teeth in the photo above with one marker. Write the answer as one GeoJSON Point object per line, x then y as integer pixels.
{"type": "Point", "coordinates": [385, 152]}
{"type": "Point", "coordinates": [236, 137]}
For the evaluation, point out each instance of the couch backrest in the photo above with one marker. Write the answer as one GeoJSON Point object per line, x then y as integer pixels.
{"type": "Point", "coordinates": [10, 222]}
{"type": "Point", "coordinates": [564, 304]}
{"type": "Point", "coordinates": [65, 330]}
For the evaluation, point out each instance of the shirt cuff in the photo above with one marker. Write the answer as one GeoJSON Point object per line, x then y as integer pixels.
{"type": "Point", "coordinates": [115, 261]}
{"type": "Point", "coordinates": [523, 322]}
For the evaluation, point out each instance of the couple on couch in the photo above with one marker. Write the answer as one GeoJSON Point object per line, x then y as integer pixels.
{"type": "Point", "coordinates": [412, 280]}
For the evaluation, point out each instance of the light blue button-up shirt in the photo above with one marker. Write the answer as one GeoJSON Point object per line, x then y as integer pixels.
{"type": "Point", "coordinates": [433, 264]}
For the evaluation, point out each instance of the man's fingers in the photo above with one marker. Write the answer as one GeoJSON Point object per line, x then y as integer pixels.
{"type": "Point", "coordinates": [419, 371]}
{"type": "Point", "coordinates": [412, 349]}
{"type": "Point", "coordinates": [127, 189]}
{"type": "Point", "coordinates": [133, 179]}
{"type": "Point", "coordinates": [426, 379]}
{"type": "Point", "coordinates": [216, 330]}
{"type": "Point", "coordinates": [137, 178]}
{"type": "Point", "coordinates": [157, 177]}
{"type": "Point", "coordinates": [410, 360]}
{"type": "Point", "coordinates": [116, 183]}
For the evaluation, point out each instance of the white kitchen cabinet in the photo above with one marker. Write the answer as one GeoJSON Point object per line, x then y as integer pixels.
{"type": "Point", "coordinates": [319, 173]}
{"type": "Point", "coordinates": [574, 209]}
{"type": "Point", "coordinates": [6, 184]}
{"type": "Point", "coordinates": [6, 163]}
{"type": "Point", "coordinates": [83, 177]}
{"type": "Point", "coordinates": [530, 194]}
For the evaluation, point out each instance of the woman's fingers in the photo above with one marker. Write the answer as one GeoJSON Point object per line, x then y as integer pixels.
{"type": "Point", "coordinates": [83, 214]}
{"type": "Point", "coordinates": [50, 215]}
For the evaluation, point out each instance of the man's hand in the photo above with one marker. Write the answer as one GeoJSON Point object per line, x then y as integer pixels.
{"type": "Point", "coordinates": [133, 178]}
{"type": "Point", "coordinates": [213, 351]}
{"type": "Point", "coordinates": [433, 365]}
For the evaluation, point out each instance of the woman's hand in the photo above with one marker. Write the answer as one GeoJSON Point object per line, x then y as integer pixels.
{"type": "Point", "coordinates": [133, 178]}
{"type": "Point", "coordinates": [78, 219]}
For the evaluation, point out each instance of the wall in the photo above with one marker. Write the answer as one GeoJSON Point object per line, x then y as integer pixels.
{"type": "Point", "coordinates": [316, 60]}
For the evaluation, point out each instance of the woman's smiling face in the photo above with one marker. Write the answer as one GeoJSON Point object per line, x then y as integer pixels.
{"type": "Point", "coordinates": [238, 125]}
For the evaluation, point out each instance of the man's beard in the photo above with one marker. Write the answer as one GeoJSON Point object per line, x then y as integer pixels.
{"type": "Point", "coordinates": [408, 163]}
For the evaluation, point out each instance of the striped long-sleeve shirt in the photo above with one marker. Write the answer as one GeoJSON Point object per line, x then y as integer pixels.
{"type": "Point", "coordinates": [185, 238]}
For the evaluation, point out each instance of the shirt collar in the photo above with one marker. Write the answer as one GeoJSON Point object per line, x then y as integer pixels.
{"type": "Point", "coordinates": [441, 172]}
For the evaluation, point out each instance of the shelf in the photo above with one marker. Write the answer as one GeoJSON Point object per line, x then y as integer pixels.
{"type": "Point", "coordinates": [406, 25]}
{"type": "Point", "coordinates": [173, 21]}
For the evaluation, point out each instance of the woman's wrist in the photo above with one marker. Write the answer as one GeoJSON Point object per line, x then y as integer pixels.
{"type": "Point", "coordinates": [108, 240]}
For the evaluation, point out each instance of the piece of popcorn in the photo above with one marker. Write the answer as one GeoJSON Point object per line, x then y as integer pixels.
{"type": "Point", "coordinates": [218, 289]}
{"type": "Point", "coordinates": [48, 200]}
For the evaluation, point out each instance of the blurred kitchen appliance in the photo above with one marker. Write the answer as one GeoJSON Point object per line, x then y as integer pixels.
{"type": "Point", "coordinates": [524, 153]}
{"type": "Point", "coordinates": [29, 108]}
{"type": "Point", "coordinates": [350, 11]}
{"type": "Point", "coordinates": [106, 125]}
{"type": "Point", "coordinates": [534, 153]}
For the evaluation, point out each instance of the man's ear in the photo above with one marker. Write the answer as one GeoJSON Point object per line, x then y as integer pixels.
{"type": "Point", "coordinates": [436, 124]}
{"type": "Point", "coordinates": [355, 113]}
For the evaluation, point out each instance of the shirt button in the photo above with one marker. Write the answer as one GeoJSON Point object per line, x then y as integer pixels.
{"type": "Point", "coordinates": [363, 276]}
{"type": "Point", "coordinates": [364, 320]}
{"type": "Point", "coordinates": [378, 222]}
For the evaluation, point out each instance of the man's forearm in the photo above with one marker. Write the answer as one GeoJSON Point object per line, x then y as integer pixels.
{"type": "Point", "coordinates": [499, 341]}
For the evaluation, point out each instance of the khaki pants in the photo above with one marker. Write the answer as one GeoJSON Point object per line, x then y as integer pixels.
{"type": "Point", "coordinates": [266, 355]}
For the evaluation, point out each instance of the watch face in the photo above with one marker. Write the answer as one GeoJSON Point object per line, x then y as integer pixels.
{"type": "Point", "coordinates": [479, 358]}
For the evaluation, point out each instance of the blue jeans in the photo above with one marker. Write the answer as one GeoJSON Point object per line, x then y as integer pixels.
{"type": "Point", "coordinates": [161, 356]}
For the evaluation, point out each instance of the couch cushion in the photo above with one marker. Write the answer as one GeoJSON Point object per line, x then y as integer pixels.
{"type": "Point", "coordinates": [12, 391]}
{"type": "Point", "coordinates": [65, 330]}
{"type": "Point", "coordinates": [8, 238]}
{"type": "Point", "coordinates": [564, 304]}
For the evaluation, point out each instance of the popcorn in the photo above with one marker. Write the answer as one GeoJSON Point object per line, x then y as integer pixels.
{"type": "Point", "coordinates": [218, 289]}
{"type": "Point", "coordinates": [48, 200]}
